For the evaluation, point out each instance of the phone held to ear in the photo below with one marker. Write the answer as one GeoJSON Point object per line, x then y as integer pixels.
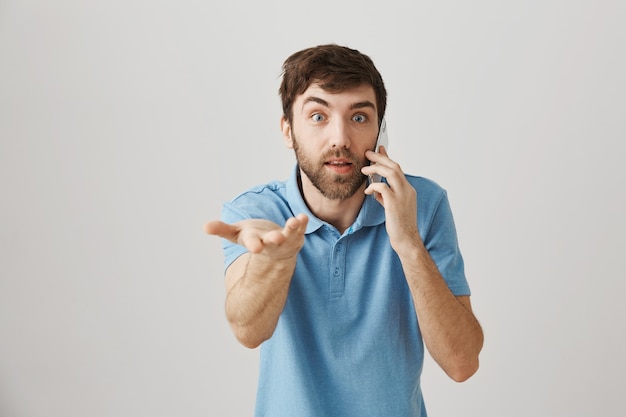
{"type": "Point", "coordinates": [383, 140]}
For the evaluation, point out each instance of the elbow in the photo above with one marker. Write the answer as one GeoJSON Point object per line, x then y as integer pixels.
{"type": "Point", "coordinates": [463, 365]}
{"type": "Point", "coordinates": [248, 333]}
{"type": "Point", "coordinates": [463, 372]}
{"type": "Point", "coordinates": [248, 337]}
{"type": "Point", "coordinates": [250, 343]}
{"type": "Point", "coordinates": [466, 363]}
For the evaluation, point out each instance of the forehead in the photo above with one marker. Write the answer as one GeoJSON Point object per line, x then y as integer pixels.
{"type": "Point", "coordinates": [347, 98]}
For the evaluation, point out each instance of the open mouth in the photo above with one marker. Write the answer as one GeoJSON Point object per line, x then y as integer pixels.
{"type": "Point", "coordinates": [340, 166]}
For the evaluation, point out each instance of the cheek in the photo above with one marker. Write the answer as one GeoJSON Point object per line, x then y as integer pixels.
{"type": "Point", "coordinates": [366, 145]}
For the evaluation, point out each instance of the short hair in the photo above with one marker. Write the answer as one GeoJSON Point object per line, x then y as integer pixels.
{"type": "Point", "coordinates": [335, 68]}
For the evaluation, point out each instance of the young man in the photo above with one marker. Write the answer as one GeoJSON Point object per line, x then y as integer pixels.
{"type": "Point", "coordinates": [343, 281]}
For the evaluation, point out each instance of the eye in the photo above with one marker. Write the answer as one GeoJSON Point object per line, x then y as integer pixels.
{"type": "Point", "coordinates": [318, 117]}
{"type": "Point", "coordinates": [359, 118]}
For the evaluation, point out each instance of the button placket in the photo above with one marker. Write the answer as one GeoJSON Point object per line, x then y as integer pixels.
{"type": "Point", "coordinates": [337, 269]}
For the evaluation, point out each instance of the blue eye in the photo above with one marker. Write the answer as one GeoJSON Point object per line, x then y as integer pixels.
{"type": "Point", "coordinates": [359, 118]}
{"type": "Point", "coordinates": [317, 117]}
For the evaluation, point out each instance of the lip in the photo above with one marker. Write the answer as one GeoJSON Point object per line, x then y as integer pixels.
{"type": "Point", "coordinates": [339, 165]}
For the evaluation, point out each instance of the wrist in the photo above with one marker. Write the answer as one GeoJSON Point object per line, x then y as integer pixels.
{"type": "Point", "coordinates": [409, 245]}
{"type": "Point", "coordinates": [263, 266]}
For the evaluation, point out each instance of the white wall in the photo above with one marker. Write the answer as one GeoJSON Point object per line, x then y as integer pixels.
{"type": "Point", "coordinates": [125, 124]}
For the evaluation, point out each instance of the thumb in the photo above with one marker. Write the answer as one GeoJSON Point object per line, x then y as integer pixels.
{"type": "Point", "coordinates": [221, 229]}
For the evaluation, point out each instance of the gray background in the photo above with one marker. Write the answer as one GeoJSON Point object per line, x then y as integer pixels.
{"type": "Point", "coordinates": [125, 124]}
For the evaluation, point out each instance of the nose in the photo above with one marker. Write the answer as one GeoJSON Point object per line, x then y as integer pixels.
{"type": "Point", "coordinates": [339, 134]}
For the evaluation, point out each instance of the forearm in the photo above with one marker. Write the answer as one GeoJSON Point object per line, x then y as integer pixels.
{"type": "Point", "coordinates": [257, 296]}
{"type": "Point", "coordinates": [450, 331]}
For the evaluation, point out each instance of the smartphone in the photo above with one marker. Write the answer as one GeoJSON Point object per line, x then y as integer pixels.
{"type": "Point", "coordinates": [383, 140]}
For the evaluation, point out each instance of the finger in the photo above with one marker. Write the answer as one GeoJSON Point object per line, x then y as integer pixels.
{"type": "Point", "coordinates": [296, 224]}
{"type": "Point", "coordinates": [378, 189]}
{"type": "Point", "coordinates": [379, 156]}
{"type": "Point", "coordinates": [377, 168]}
{"type": "Point", "coordinates": [221, 229]}
{"type": "Point", "coordinates": [274, 237]}
{"type": "Point", "coordinates": [232, 233]}
{"type": "Point", "coordinates": [372, 190]}
{"type": "Point", "coordinates": [391, 171]}
{"type": "Point", "coordinates": [252, 242]}
{"type": "Point", "coordinates": [294, 227]}
{"type": "Point", "coordinates": [374, 157]}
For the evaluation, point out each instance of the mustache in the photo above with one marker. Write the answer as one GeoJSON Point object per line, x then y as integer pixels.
{"type": "Point", "coordinates": [341, 153]}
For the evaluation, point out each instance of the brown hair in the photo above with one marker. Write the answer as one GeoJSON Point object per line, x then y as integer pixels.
{"type": "Point", "coordinates": [334, 68]}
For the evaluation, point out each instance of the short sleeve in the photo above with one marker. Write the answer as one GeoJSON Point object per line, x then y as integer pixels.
{"type": "Point", "coordinates": [262, 202]}
{"type": "Point", "coordinates": [232, 251]}
{"type": "Point", "coordinates": [442, 244]}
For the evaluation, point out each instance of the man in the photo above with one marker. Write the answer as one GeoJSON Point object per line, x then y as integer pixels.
{"type": "Point", "coordinates": [343, 281]}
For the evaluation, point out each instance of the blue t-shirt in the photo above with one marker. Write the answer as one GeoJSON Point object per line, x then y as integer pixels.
{"type": "Point", "coordinates": [347, 342]}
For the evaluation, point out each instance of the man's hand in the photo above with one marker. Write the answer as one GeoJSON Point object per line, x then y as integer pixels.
{"type": "Point", "coordinates": [450, 331]}
{"type": "Point", "coordinates": [398, 198]}
{"type": "Point", "coordinates": [263, 236]}
{"type": "Point", "coordinates": [257, 283]}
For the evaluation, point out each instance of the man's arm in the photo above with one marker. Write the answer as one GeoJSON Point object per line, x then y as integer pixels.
{"type": "Point", "coordinates": [450, 331]}
{"type": "Point", "coordinates": [257, 283]}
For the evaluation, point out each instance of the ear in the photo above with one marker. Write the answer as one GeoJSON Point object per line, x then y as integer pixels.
{"type": "Point", "coordinates": [285, 127]}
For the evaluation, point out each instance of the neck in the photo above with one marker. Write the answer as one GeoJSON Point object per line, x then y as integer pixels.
{"type": "Point", "coordinates": [340, 213]}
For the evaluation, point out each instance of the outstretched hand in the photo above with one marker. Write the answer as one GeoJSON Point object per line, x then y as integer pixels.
{"type": "Point", "coordinates": [263, 236]}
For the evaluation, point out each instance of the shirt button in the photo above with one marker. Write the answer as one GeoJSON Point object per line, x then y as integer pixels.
{"type": "Point", "coordinates": [339, 247]}
{"type": "Point", "coordinates": [336, 272]}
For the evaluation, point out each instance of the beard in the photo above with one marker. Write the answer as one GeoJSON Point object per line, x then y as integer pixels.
{"type": "Point", "coordinates": [332, 186]}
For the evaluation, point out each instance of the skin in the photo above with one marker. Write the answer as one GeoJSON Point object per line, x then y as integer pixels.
{"type": "Point", "coordinates": [333, 135]}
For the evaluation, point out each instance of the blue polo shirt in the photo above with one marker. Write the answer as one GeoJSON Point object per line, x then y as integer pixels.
{"type": "Point", "coordinates": [347, 342]}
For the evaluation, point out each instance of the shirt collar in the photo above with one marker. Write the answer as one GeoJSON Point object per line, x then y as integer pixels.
{"type": "Point", "coordinates": [371, 213]}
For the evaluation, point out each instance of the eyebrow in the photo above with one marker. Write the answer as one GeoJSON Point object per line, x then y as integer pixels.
{"type": "Point", "coordinates": [357, 105]}
{"type": "Point", "coordinates": [313, 99]}
{"type": "Point", "coordinates": [363, 104]}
